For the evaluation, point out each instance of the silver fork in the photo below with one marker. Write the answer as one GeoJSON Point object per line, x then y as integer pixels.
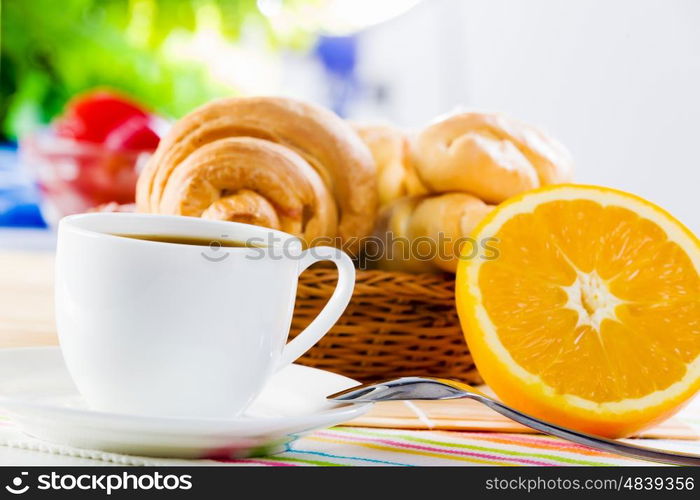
{"type": "Point", "coordinates": [426, 388]}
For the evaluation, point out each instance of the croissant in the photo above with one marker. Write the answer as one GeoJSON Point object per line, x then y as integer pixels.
{"type": "Point", "coordinates": [396, 176]}
{"type": "Point", "coordinates": [488, 155]}
{"type": "Point", "coordinates": [254, 181]}
{"type": "Point", "coordinates": [425, 233]}
{"type": "Point", "coordinates": [300, 168]}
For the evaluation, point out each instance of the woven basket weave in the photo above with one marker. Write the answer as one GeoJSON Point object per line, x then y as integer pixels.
{"type": "Point", "coordinates": [397, 324]}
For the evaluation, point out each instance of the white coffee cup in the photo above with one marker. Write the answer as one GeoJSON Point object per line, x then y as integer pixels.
{"type": "Point", "coordinates": [168, 329]}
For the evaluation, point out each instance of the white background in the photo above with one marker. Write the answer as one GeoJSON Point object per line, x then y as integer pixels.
{"type": "Point", "coordinates": [617, 81]}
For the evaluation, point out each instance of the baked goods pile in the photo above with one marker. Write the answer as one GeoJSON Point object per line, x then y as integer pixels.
{"type": "Point", "coordinates": [451, 175]}
{"type": "Point", "coordinates": [297, 167]}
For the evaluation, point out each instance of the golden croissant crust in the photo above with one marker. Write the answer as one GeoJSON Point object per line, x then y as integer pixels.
{"type": "Point", "coordinates": [488, 155]}
{"type": "Point", "coordinates": [313, 135]}
{"type": "Point", "coordinates": [425, 233]}
{"type": "Point", "coordinates": [396, 176]}
{"type": "Point", "coordinates": [254, 181]}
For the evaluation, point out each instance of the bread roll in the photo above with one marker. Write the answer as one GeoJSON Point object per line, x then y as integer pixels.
{"type": "Point", "coordinates": [396, 176]}
{"type": "Point", "coordinates": [424, 233]}
{"type": "Point", "coordinates": [488, 155]}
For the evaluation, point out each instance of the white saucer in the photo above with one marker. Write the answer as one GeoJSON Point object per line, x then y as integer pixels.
{"type": "Point", "coordinates": [37, 392]}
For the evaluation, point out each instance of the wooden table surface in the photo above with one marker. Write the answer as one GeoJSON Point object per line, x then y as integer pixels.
{"type": "Point", "coordinates": [26, 299]}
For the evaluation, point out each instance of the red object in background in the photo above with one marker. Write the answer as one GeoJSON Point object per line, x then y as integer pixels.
{"type": "Point", "coordinates": [74, 177]}
{"type": "Point", "coordinates": [92, 155]}
{"type": "Point", "coordinates": [110, 119]}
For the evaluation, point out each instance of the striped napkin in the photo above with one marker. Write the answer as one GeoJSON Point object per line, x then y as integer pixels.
{"type": "Point", "coordinates": [358, 446]}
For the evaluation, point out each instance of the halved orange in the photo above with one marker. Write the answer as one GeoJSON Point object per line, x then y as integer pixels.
{"type": "Point", "coordinates": [584, 310]}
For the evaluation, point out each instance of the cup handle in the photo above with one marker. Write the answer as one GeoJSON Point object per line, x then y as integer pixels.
{"type": "Point", "coordinates": [333, 308]}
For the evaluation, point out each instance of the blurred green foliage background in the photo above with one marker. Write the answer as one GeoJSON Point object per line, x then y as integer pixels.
{"type": "Point", "coordinates": [53, 49]}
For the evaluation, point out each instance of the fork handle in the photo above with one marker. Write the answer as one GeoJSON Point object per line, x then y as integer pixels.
{"type": "Point", "coordinates": [599, 443]}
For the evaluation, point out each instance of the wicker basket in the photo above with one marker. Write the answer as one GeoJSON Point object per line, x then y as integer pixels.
{"type": "Point", "coordinates": [397, 324]}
